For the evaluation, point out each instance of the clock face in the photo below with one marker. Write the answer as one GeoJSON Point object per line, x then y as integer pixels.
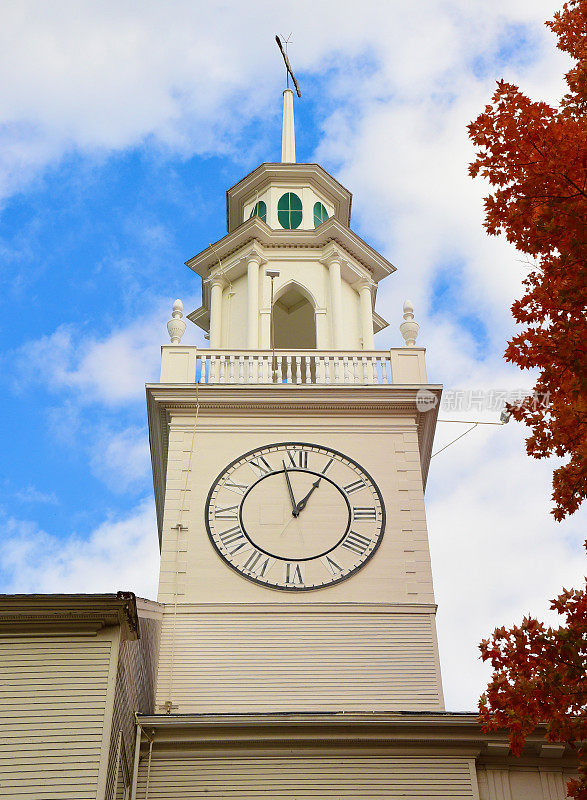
{"type": "Point", "coordinates": [295, 516]}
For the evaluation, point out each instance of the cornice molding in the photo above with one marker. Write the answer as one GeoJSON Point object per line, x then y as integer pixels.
{"type": "Point", "coordinates": [409, 733]}
{"type": "Point", "coordinates": [266, 238]}
{"type": "Point", "coordinates": [73, 613]}
{"type": "Point", "coordinates": [300, 608]}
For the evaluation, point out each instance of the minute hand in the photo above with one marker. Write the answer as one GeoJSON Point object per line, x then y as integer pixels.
{"type": "Point", "coordinates": [302, 504]}
{"type": "Point", "coordinates": [294, 508]}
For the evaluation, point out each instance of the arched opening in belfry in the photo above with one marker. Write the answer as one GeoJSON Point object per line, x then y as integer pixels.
{"type": "Point", "coordinates": [294, 319]}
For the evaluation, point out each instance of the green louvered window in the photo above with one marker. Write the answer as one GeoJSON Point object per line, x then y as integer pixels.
{"type": "Point", "coordinates": [260, 210]}
{"type": "Point", "coordinates": [320, 214]}
{"type": "Point", "coordinates": [289, 211]}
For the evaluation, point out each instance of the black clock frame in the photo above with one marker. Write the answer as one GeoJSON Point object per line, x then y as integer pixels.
{"type": "Point", "coordinates": [292, 445]}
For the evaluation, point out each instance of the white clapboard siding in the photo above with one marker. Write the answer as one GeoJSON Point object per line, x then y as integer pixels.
{"type": "Point", "coordinates": [528, 783]}
{"type": "Point", "coordinates": [190, 777]}
{"type": "Point", "coordinates": [52, 703]}
{"type": "Point", "coordinates": [303, 662]}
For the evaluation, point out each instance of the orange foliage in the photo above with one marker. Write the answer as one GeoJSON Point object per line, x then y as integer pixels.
{"type": "Point", "coordinates": [535, 157]}
{"type": "Point", "coordinates": [540, 676]}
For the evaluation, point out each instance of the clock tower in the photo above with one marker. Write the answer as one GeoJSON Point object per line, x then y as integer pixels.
{"type": "Point", "coordinates": [290, 461]}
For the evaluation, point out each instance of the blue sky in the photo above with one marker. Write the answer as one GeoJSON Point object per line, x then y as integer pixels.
{"type": "Point", "coordinates": [120, 136]}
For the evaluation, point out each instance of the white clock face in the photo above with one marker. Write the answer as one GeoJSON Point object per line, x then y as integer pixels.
{"type": "Point", "coordinates": [295, 516]}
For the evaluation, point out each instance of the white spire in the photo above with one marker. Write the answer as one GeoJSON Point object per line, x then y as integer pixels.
{"type": "Point", "coordinates": [288, 136]}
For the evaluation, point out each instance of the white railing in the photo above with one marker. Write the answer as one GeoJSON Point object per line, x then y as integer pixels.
{"type": "Point", "coordinates": [181, 364]}
{"type": "Point", "coordinates": [293, 366]}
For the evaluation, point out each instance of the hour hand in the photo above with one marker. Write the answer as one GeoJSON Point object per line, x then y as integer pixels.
{"type": "Point", "coordinates": [302, 504]}
{"type": "Point", "coordinates": [294, 506]}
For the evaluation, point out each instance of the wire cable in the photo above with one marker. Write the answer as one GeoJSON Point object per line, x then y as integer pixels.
{"type": "Point", "coordinates": [455, 440]}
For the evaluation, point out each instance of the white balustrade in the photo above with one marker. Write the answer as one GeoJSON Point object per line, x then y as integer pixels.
{"type": "Point", "coordinates": [293, 367]}
{"type": "Point", "coordinates": [400, 365]}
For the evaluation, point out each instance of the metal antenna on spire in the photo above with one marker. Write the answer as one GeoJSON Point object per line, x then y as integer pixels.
{"type": "Point", "coordinates": [288, 69]}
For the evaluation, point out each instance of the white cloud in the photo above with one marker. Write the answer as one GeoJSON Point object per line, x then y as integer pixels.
{"type": "Point", "coordinates": [111, 369]}
{"type": "Point", "coordinates": [122, 553]}
{"type": "Point", "coordinates": [121, 459]}
{"type": "Point", "coordinates": [190, 78]}
{"type": "Point", "coordinates": [496, 552]}
{"type": "Point", "coordinates": [29, 494]}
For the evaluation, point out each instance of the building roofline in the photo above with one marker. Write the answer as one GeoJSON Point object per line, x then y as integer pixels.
{"type": "Point", "coordinates": [90, 612]}
{"type": "Point", "coordinates": [435, 732]}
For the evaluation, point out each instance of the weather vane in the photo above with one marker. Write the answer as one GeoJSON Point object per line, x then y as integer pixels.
{"type": "Point", "coordinates": [288, 69]}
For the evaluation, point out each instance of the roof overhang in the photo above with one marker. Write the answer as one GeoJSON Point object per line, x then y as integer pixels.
{"type": "Point", "coordinates": [295, 174]}
{"type": "Point", "coordinates": [53, 613]}
{"type": "Point", "coordinates": [406, 732]}
{"type": "Point", "coordinates": [255, 230]}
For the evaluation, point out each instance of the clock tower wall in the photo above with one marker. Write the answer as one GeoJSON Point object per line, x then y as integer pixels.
{"type": "Point", "coordinates": [388, 449]}
{"type": "Point", "coordinates": [231, 644]}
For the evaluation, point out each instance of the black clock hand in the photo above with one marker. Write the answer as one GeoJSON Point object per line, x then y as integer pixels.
{"type": "Point", "coordinates": [294, 507]}
{"type": "Point", "coordinates": [302, 504]}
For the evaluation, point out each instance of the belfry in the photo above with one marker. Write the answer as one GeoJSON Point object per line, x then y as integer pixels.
{"type": "Point", "coordinates": [291, 652]}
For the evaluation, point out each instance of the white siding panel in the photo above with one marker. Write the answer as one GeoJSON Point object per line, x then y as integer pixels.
{"type": "Point", "coordinates": [191, 777]}
{"type": "Point", "coordinates": [531, 783]}
{"type": "Point", "coordinates": [52, 702]}
{"type": "Point", "coordinates": [302, 662]}
{"type": "Point", "coordinates": [134, 692]}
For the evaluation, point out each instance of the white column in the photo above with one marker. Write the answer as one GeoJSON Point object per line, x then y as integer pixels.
{"type": "Point", "coordinates": [366, 315]}
{"type": "Point", "coordinates": [288, 137]}
{"type": "Point", "coordinates": [322, 332]}
{"type": "Point", "coordinates": [336, 302]}
{"type": "Point", "coordinates": [216, 290]}
{"type": "Point", "coordinates": [265, 312]}
{"type": "Point", "coordinates": [253, 302]}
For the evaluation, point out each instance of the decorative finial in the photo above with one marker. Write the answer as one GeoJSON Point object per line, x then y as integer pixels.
{"type": "Point", "coordinates": [409, 328]}
{"type": "Point", "coordinates": [176, 325]}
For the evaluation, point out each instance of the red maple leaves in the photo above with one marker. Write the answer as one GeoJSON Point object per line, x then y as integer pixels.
{"type": "Point", "coordinates": [535, 158]}
{"type": "Point", "coordinates": [540, 676]}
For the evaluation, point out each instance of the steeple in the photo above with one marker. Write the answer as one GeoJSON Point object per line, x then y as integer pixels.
{"type": "Point", "coordinates": [288, 136]}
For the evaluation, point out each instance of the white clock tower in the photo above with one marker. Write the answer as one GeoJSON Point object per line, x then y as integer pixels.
{"type": "Point", "coordinates": [290, 462]}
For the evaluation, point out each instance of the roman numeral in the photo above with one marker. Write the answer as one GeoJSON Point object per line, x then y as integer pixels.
{"type": "Point", "coordinates": [298, 458]}
{"type": "Point", "coordinates": [331, 565]}
{"type": "Point", "coordinates": [326, 467]}
{"type": "Point", "coordinates": [257, 563]}
{"type": "Point", "coordinates": [293, 575]}
{"type": "Point", "coordinates": [364, 512]}
{"type": "Point", "coordinates": [260, 466]}
{"type": "Point", "coordinates": [356, 542]}
{"type": "Point", "coordinates": [231, 537]}
{"type": "Point", "coordinates": [353, 487]}
{"type": "Point", "coordinates": [231, 512]}
{"type": "Point", "coordinates": [239, 488]}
